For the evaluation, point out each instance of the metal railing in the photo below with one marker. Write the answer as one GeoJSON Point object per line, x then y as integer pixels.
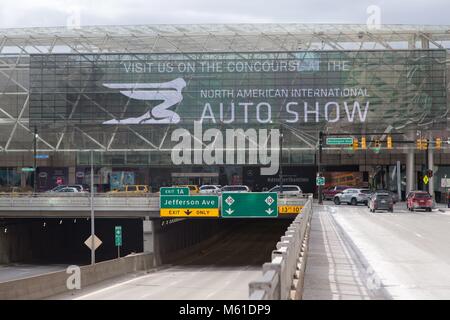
{"type": "Point", "coordinates": [282, 278]}
{"type": "Point", "coordinates": [49, 201]}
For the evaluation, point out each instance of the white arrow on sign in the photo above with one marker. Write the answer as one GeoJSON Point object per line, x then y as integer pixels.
{"type": "Point", "coordinates": [229, 211]}
{"type": "Point", "coordinates": [97, 242]}
{"type": "Point", "coordinates": [269, 211]}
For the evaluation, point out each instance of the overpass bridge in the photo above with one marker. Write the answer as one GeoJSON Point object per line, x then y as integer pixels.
{"type": "Point", "coordinates": [105, 205]}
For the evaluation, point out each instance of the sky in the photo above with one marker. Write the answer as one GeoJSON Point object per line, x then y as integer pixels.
{"type": "Point", "coordinates": [46, 13]}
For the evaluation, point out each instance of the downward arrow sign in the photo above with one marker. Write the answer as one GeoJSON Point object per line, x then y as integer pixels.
{"type": "Point", "coordinates": [188, 212]}
{"type": "Point", "coordinates": [269, 211]}
{"type": "Point", "coordinates": [229, 211]}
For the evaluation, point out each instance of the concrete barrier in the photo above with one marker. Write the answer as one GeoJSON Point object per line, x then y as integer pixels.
{"type": "Point", "coordinates": [282, 278]}
{"type": "Point", "coordinates": [46, 285]}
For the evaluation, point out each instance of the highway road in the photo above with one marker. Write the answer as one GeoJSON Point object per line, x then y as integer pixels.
{"type": "Point", "coordinates": [220, 271]}
{"type": "Point", "coordinates": [409, 252]}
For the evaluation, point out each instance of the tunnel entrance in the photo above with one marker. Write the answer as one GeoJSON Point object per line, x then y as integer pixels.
{"type": "Point", "coordinates": [61, 241]}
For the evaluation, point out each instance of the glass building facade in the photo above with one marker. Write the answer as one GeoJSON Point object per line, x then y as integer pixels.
{"type": "Point", "coordinates": [122, 92]}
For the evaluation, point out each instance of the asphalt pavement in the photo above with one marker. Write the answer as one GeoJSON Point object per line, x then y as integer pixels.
{"type": "Point", "coordinates": [407, 252]}
{"type": "Point", "coordinates": [220, 271]}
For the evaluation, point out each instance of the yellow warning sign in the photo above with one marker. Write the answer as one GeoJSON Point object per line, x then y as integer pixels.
{"type": "Point", "coordinates": [289, 209]}
{"type": "Point", "coordinates": [426, 179]}
{"type": "Point", "coordinates": [189, 212]}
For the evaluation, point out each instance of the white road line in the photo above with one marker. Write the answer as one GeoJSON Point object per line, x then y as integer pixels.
{"type": "Point", "coordinates": [113, 286]}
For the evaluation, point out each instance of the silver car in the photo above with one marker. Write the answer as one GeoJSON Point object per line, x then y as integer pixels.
{"type": "Point", "coordinates": [209, 189]}
{"type": "Point", "coordinates": [287, 190]}
{"type": "Point", "coordinates": [352, 196]}
{"type": "Point", "coordinates": [235, 188]}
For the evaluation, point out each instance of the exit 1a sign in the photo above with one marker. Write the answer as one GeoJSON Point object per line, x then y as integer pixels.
{"type": "Point", "coordinates": [174, 191]}
{"type": "Point", "coordinates": [249, 205]}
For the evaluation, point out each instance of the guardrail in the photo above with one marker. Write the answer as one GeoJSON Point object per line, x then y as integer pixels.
{"type": "Point", "coordinates": [37, 203]}
{"type": "Point", "coordinates": [282, 278]}
{"type": "Point", "coordinates": [102, 201]}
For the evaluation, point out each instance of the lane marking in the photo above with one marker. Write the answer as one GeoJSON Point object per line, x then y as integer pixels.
{"type": "Point", "coordinates": [114, 286]}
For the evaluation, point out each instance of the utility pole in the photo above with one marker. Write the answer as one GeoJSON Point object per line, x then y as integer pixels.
{"type": "Point", "coordinates": [34, 161]}
{"type": "Point", "coordinates": [281, 159]}
{"type": "Point", "coordinates": [319, 167]}
{"type": "Point", "coordinates": [425, 186]}
{"type": "Point", "coordinates": [92, 211]}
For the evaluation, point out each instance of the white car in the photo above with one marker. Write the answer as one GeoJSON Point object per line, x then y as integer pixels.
{"type": "Point", "coordinates": [287, 190]}
{"type": "Point", "coordinates": [352, 196]}
{"type": "Point", "coordinates": [70, 189]}
{"type": "Point", "coordinates": [235, 188]}
{"type": "Point", "coordinates": [208, 189]}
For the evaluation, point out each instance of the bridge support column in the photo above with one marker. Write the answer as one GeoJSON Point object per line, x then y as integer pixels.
{"type": "Point", "coordinates": [148, 235]}
{"type": "Point", "coordinates": [410, 176]}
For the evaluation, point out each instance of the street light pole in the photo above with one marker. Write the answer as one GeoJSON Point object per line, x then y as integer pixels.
{"type": "Point", "coordinates": [92, 211]}
{"type": "Point", "coordinates": [34, 161]}
{"type": "Point", "coordinates": [319, 167]}
{"type": "Point", "coordinates": [281, 159]}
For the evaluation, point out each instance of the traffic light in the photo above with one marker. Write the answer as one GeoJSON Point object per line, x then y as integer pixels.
{"type": "Point", "coordinates": [419, 144]}
{"type": "Point", "coordinates": [389, 142]}
{"type": "Point", "coordinates": [363, 143]}
{"type": "Point", "coordinates": [377, 144]}
{"type": "Point", "coordinates": [422, 144]}
{"type": "Point", "coordinates": [438, 143]}
{"type": "Point", "coordinates": [429, 173]}
{"type": "Point", "coordinates": [355, 144]}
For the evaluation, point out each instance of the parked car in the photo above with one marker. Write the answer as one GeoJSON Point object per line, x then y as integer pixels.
{"type": "Point", "coordinates": [209, 189]}
{"type": "Point", "coordinates": [131, 189]}
{"type": "Point", "coordinates": [381, 201]}
{"type": "Point", "coordinates": [352, 196]}
{"type": "Point", "coordinates": [287, 190]}
{"type": "Point", "coordinates": [235, 188]}
{"type": "Point", "coordinates": [57, 188]}
{"type": "Point", "coordinates": [68, 190]}
{"type": "Point", "coordinates": [419, 200]}
{"type": "Point", "coordinates": [328, 194]}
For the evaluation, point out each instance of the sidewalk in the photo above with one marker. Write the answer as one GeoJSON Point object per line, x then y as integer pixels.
{"type": "Point", "coordinates": [334, 271]}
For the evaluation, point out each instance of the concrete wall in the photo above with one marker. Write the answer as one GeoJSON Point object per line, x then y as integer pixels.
{"type": "Point", "coordinates": [54, 283]}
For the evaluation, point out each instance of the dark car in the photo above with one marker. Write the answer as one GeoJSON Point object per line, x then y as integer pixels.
{"type": "Point", "coordinates": [328, 194]}
{"type": "Point", "coordinates": [419, 200]}
{"type": "Point", "coordinates": [381, 201]}
{"type": "Point", "coordinates": [393, 194]}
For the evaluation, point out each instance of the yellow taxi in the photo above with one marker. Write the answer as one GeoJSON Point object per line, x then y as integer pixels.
{"type": "Point", "coordinates": [131, 189]}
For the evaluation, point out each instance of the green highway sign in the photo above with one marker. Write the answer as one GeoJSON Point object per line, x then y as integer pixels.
{"type": "Point", "coordinates": [189, 206]}
{"type": "Point", "coordinates": [174, 191]}
{"type": "Point", "coordinates": [320, 181]}
{"type": "Point", "coordinates": [118, 236]}
{"type": "Point", "coordinates": [337, 141]}
{"type": "Point", "coordinates": [27, 169]}
{"type": "Point", "coordinates": [249, 205]}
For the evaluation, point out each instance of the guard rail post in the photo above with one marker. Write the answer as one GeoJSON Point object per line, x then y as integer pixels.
{"type": "Point", "coordinates": [288, 262]}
